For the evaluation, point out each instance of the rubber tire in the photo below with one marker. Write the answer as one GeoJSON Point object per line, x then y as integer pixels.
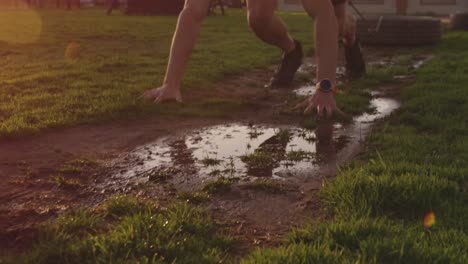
{"type": "Point", "coordinates": [459, 21]}
{"type": "Point", "coordinates": [399, 30]}
{"type": "Point", "coordinates": [154, 7]}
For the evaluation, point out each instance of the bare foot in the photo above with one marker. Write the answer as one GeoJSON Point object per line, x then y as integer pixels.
{"type": "Point", "coordinates": [163, 94]}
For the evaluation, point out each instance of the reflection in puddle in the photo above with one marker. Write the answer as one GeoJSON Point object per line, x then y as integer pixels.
{"type": "Point", "coordinates": [421, 61]}
{"type": "Point", "coordinates": [247, 152]}
{"type": "Point", "coordinates": [307, 90]}
{"type": "Point", "coordinates": [188, 159]}
{"type": "Point", "coordinates": [383, 107]}
{"type": "Point", "coordinates": [239, 151]}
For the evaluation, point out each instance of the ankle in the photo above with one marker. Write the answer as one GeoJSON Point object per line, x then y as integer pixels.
{"type": "Point", "coordinates": [290, 47]}
{"type": "Point", "coordinates": [349, 41]}
{"type": "Point", "coordinates": [173, 86]}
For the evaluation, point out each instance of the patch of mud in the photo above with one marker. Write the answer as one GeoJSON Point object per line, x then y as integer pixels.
{"type": "Point", "coordinates": [246, 152]}
{"type": "Point", "coordinates": [188, 156]}
{"type": "Point", "coordinates": [289, 155]}
{"type": "Point", "coordinates": [232, 151]}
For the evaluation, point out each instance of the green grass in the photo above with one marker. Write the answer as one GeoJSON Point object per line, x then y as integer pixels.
{"type": "Point", "coordinates": [284, 136]}
{"type": "Point", "coordinates": [119, 57]}
{"type": "Point", "coordinates": [219, 185]}
{"type": "Point", "coordinates": [46, 83]}
{"type": "Point", "coordinates": [194, 197]}
{"type": "Point", "coordinates": [309, 123]}
{"type": "Point", "coordinates": [298, 155]}
{"type": "Point", "coordinates": [129, 230]}
{"type": "Point", "coordinates": [120, 206]}
{"type": "Point", "coordinates": [353, 97]}
{"type": "Point", "coordinates": [366, 240]}
{"type": "Point", "coordinates": [259, 159]}
{"type": "Point", "coordinates": [67, 184]}
{"type": "Point", "coordinates": [418, 165]}
{"type": "Point", "coordinates": [211, 162]}
{"type": "Point", "coordinates": [417, 161]}
{"type": "Point", "coordinates": [161, 174]}
{"type": "Point", "coordinates": [78, 166]}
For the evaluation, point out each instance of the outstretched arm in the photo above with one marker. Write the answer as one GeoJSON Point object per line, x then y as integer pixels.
{"type": "Point", "coordinates": [183, 42]}
{"type": "Point", "coordinates": [326, 46]}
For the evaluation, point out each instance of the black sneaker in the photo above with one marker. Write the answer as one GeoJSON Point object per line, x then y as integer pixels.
{"type": "Point", "coordinates": [355, 64]}
{"type": "Point", "coordinates": [290, 63]}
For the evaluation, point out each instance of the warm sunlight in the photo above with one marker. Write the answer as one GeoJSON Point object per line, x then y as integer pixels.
{"type": "Point", "coordinates": [21, 25]}
{"type": "Point", "coordinates": [233, 131]}
{"type": "Point", "coordinates": [429, 219]}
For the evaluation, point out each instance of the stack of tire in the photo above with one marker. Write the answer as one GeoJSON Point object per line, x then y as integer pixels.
{"type": "Point", "coordinates": [459, 21]}
{"type": "Point", "coordinates": [399, 30]}
{"type": "Point", "coordinates": [155, 7]}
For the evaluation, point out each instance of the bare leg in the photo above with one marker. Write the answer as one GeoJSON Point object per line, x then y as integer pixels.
{"type": "Point", "coordinates": [355, 63]}
{"type": "Point", "coordinates": [326, 37]}
{"type": "Point", "coordinates": [268, 26]}
{"type": "Point", "coordinates": [271, 29]}
{"type": "Point", "coordinates": [183, 42]}
{"type": "Point", "coordinates": [346, 24]}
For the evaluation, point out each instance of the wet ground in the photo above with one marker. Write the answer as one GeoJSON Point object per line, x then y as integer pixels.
{"type": "Point", "coordinates": [260, 159]}
{"type": "Point", "coordinates": [376, 60]}
{"type": "Point", "coordinates": [161, 157]}
{"type": "Point", "coordinates": [245, 152]}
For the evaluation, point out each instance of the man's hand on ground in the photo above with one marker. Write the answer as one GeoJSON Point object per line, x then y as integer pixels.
{"type": "Point", "coordinates": [163, 94]}
{"type": "Point", "coordinates": [321, 102]}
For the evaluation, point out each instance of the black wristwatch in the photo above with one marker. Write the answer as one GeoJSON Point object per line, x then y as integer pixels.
{"type": "Point", "coordinates": [325, 86]}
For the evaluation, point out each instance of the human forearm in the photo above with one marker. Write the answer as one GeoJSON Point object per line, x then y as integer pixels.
{"type": "Point", "coordinates": [326, 37]}
{"type": "Point", "coordinates": [326, 44]}
{"type": "Point", "coordinates": [183, 42]}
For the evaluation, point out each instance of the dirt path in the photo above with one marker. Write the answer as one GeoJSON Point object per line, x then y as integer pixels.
{"type": "Point", "coordinates": [97, 157]}
{"type": "Point", "coordinates": [29, 194]}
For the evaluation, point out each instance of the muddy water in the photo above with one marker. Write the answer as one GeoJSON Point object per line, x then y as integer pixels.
{"type": "Point", "coordinates": [232, 150]}
{"type": "Point", "coordinates": [188, 159]}
{"type": "Point", "coordinates": [383, 107]}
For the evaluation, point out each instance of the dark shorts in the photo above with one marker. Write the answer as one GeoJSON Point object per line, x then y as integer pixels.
{"type": "Point", "coordinates": [338, 2]}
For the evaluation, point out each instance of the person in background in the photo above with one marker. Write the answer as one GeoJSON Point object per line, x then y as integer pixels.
{"type": "Point", "coordinates": [270, 28]}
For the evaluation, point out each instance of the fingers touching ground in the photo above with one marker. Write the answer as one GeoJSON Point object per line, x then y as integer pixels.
{"type": "Point", "coordinates": [320, 103]}
{"type": "Point", "coordinates": [302, 104]}
{"type": "Point", "coordinates": [166, 97]}
{"type": "Point", "coordinates": [151, 94]}
{"type": "Point", "coordinates": [310, 107]}
{"type": "Point", "coordinates": [160, 95]}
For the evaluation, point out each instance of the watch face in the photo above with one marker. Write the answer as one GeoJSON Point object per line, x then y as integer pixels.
{"type": "Point", "coordinates": [325, 85]}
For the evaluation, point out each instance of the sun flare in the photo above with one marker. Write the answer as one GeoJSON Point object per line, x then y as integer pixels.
{"type": "Point", "coordinates": [429, 219]}
{"type": "Point", "coordinates": [21, 25]}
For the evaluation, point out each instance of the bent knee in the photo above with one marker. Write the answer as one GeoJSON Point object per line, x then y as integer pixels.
{"type": "Point", "coordinates": [194, 13]}
{"type": "Point", "coordinates": [259, 20]}
{"type": "Point", "coordinates": [319, 8]}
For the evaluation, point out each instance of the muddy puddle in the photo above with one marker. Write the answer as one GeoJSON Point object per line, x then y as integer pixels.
{"type": "Point", "coordinates": [372, 63]}
{"type": "Point", "coordinates": [245, 152]}
{"type": "Point", "coordinates": [188, 158]}
{"type": "Point", "coordinates": [232, 151]}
